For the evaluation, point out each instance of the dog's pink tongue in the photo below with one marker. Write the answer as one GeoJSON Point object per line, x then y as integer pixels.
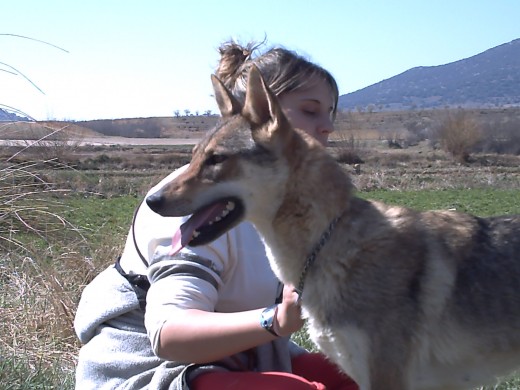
{"type": "Point", "coordinates": [184, 234]}
{"type": "Point", "coordinates": [177, 242]}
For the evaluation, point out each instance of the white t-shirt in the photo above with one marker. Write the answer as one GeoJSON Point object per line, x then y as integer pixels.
{"type": "Point", "coordinates": [228, 275]}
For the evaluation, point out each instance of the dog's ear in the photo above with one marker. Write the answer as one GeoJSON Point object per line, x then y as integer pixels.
{"type": "Point", "coordinates": [261, 105]}
{"type": "Point", "coordinates": [227, 103]}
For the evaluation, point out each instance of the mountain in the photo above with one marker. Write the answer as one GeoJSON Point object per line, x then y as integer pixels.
{"type": "Point", "coordinates": [488, 79]}
{"type": "Point", "coordinates": [6, 116]}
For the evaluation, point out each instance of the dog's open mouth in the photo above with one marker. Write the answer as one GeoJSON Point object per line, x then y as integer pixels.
{"type": "Point", "coordinates": [208, 223]}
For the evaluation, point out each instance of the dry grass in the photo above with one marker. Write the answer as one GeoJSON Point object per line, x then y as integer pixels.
{"type": "Point", "coordinates": [44, 262]}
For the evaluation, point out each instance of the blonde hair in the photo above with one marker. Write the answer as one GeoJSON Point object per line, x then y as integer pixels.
{"type": "Point", "coordinates": [283, 70]}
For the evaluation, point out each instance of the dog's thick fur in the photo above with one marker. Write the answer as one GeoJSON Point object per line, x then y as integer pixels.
{"type": "Point", "coordinates": [399, 299]}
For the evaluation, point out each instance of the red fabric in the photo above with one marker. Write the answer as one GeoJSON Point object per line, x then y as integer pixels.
{"type": "Point", "coordinates": [315, 367]}
{"type": "Point", "coordinates": [310, 372]}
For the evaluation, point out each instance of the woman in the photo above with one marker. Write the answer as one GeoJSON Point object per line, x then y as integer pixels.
{"type": "Point", "coordinates": [211, 317]}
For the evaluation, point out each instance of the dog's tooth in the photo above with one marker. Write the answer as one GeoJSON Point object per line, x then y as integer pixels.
{"type": "Point", "coordinates": [230, 206]}
{"type": "Point", "coordinates": [218, 219]}
{"type": "Point", "coordinates": [196, 233]}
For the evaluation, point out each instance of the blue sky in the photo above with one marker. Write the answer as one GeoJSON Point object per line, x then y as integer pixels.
{"type": "Point", "coordinates": [129, 58]}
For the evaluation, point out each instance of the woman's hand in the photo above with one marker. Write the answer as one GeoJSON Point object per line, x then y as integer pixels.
{"type": "Point", "coordinates": [289, 313]}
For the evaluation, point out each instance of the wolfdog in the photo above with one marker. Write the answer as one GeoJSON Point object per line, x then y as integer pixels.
{"type": "Point", "coordinates": [398, 299]}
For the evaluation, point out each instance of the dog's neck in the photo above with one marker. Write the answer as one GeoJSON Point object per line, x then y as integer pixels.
{"type": "Point", "coordinates": [309, 261]}
{"type": "Point", "coordinates": [317, 191]}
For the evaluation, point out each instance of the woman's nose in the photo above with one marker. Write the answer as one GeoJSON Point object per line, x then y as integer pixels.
{"type": "Point", "coordinates": [326, 126]}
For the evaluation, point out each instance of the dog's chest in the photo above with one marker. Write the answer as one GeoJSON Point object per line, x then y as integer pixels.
{"type": "Point", "coordinates": [347, 346]}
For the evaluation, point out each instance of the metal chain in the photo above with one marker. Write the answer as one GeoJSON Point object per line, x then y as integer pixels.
{"type": "Point", "coordinates": [312, 257]}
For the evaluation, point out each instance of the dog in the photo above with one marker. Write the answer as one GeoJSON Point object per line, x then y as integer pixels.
{"type": "Point", "coordinates": [398, 299]}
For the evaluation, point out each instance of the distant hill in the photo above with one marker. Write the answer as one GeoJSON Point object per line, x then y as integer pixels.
{"type": "Point", "coordinates": [6, 116]}
{"type": "Point", "coordinates": [50, 130]}
{"type": "Point", "coordinates": [157, 127]}
{"type": "Point", "coordinates": [488, 79]}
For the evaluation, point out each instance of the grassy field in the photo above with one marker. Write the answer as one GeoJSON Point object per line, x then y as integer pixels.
{"type": "Point", "coordinates": [38, 366]}
{"type": "Point", "coordinates": [76, 221]}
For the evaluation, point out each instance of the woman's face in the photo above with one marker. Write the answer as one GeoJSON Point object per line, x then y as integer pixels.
{"type": "Point", "coordinates": [311, 110]}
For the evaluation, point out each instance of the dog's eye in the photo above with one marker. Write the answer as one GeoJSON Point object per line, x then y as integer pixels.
{"type": "Point", "coordinates": [215, 159]}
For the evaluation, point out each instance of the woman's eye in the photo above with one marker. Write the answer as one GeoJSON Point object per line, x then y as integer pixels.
{"type": "Point", "coordinates": [309, 112]}
{"type": "Point", "coordinates": [215, 159]}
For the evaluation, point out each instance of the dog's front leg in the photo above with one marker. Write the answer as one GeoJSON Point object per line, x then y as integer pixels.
{"type": "Point", "coordinates": [388, 379]}
{"type": "Point", "coordinates": [373, 365]}
{"type": "Point", "coordinates": [387, 370]}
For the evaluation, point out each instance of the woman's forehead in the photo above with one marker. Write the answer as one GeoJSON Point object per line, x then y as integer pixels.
{"type": "Point", "coordinates": [317, 89]}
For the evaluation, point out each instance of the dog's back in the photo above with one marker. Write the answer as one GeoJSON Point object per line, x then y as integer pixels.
{"type": "Point", "coordinates": [477, 336]}
{"type": "Point", "coordinates": [488, 277]}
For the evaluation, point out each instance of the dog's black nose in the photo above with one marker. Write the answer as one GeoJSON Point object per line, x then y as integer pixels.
{"type": "Point", "coordinates": [155, 201]}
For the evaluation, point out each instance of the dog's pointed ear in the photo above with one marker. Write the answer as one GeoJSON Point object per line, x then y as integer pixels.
{"type": "Point", "coordinates": [261, 105]}
{"type": "Point", "coordinates": [227, 103]}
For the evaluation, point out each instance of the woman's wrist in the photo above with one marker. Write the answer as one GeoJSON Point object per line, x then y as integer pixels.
{"type": "Point", "coordinates": [269, 320]}
{"type": "Point", "coordinates": [276, 322]}
{"type": "Point", "coordinates": [284, 318]}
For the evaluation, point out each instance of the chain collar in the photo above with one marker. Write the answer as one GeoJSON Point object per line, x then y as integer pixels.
{"type": "Point", "coordinates": [312, 257]}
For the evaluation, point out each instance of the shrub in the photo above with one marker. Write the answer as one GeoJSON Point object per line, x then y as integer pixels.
{"type": "Point", "coordinates": [347, 149]}
{"type": "Point", "coordinates": [502, 136]}
{"type": "Point", "coordinates": [458, 133]}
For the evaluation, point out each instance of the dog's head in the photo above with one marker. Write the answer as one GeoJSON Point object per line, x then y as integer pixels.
{"type": "Point", "coordinates": [236, 171]}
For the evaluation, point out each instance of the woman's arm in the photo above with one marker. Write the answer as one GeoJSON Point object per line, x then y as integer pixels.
{"type": "Point", "coordinates": [198, 336]}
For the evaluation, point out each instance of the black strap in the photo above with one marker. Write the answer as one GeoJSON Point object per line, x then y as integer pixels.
{"type": "Point", "coordinates": [139, 283]}
{"type": "Point", "coordinates": [279, 298]}
{"type": "Point", "coordinates": [143, 259]}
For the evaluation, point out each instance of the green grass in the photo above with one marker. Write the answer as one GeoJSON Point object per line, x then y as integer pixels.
{"type": "Point", "coordinates": [99, 217]}
{"type": "Point", "coordinates": [480, 202]}
{"type": "Point", "coordinates": [17, 374]}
